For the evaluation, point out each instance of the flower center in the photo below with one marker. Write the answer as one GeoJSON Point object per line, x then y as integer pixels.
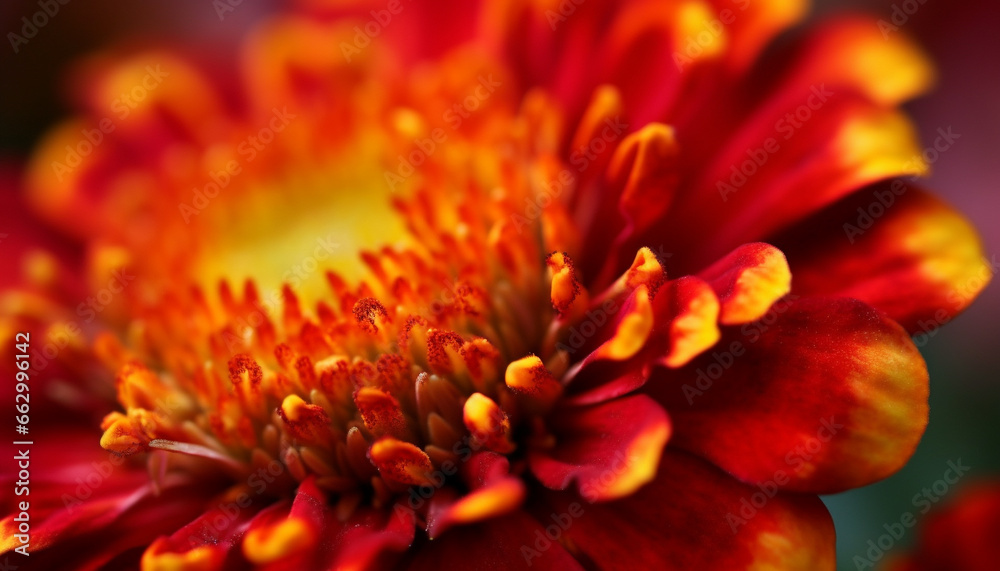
{"type": "Point", "coordinates": [453, 343]}
{"type": "Point", "coordinates": [285, 231]}
{"type": "Point", "coordinates": [447, 348]}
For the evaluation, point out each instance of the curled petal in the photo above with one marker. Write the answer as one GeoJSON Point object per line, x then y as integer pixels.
{"type": "Point", "coordinates": [609, 449]}
{"type": "Point", "coordinates": [748, 280]}
{"type": "Point", "coordinates": [687, 313]}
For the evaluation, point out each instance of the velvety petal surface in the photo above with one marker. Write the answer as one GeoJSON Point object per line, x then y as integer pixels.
{"type": "Point", "coordinates": [693, 516]}
{"type": "Point", "coordinates": [609, 449]}
{"type": "Point", "coordinates": [820, 395]}
{"type": "Point", "coordinates": [895, 247]}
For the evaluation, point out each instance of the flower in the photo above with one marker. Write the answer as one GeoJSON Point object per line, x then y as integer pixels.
{"type": "Point", "coordinates": [959, 535]}
{"type": "Point", "coordinates": [575, 340]}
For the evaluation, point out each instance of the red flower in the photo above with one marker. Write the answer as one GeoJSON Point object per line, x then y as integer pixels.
{"type": "Point", "coordinates": [582, 347]}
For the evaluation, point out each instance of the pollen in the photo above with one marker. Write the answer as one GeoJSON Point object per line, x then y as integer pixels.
{"type": "Point", "coordinates": [369, 382]}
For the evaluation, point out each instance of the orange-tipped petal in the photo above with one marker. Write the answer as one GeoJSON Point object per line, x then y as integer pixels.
{"type": "Point", "coordinates": [634, 327]}
{"type": "Point", "coordinates": [401, 462]}
{"type": "Point", "coordinates": [492, 500]}
{"type": "Point", "coordinates": [920, 261]}
{"type": "Point", "coordinates": [609, 450]}
{"type": "Point", "coordinates": [488, 423]}
{"type": "Point", "coordinates": [842, 402]}
{"type": "Point", "coordinates": [529, 379]}
{"type": "Point", "coordinates": [857, 53]}
{"type": "Point", "coordinates": [272, 537]}
{"type": "Point", "coordinates": [687, 313]}
{"type": "Point", "coordinates": [644, 171]}
{"type": "Point", "coordinates": [748, 280]}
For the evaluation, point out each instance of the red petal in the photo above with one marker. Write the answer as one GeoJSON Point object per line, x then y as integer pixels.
{"type": "Point", "coordinates": [644, 172]}
{"type": "Point", "coordinates": [309, 535]}
{"type": "Point", "coordinates": [499, 544]}
{"type": "Point", "coordinates": [496, 498]}
{"type": "Point", "coordinates": [693, 516]}
{"type": "Point", "coordinates": [846, 144]}
{"type": "Point", "coordinates": [687, 313]}
{"type": "Point", "coordinates": [94, 504]}
{"type": "Point", "coordinates": [494, 492]}
{"type": "Point", "coordinates": [853, 53]}
{"type": "Point", "coordinates": [748, 280]}
{"type": "Point", "coordinates": [609, 449]}
{"type": "Point", "coordinates": [918, 260]}
{"type": "Point", "coordinates": [290, 537]}
{"type": "Point", "coordinates": [821, 395]}
{"type": "Point", "coordinates": [209, 539]}
{"type": "Point", "coordinates": [684, 313]}
{"type": "Point", "coordinates": [367, 535]}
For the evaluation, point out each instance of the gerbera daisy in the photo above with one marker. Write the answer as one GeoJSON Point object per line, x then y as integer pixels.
{"type": "Point", "coordinates": [522, 284]}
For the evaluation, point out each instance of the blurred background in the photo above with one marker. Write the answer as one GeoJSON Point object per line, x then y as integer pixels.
{"type": "Point", "coordinates": [962, 38]}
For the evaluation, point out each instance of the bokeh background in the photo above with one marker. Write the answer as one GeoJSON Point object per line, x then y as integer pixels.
{"type": "Point", "coordinates": [963, 37]}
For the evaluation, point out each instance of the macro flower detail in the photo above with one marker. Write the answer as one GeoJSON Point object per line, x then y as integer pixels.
{"type": "Point", "coordinates": [492, 300]}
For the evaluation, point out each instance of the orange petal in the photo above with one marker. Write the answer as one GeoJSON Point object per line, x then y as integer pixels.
{"type": "Point", "coordinates": [687, 313]}
{"type": "Point", "coordinates": [531, 381]}
{"type": "Point", "coordinates": [610, 449]}
{"type": "Point", "coordinates": [488, 423]}
{"type": "Point", "coordinates": [496, 498]}
{"type": "Point", "coordinates": [634, 327]}
{"type": "Point", "coordinates": [401, 462]}
{"type": "Point", "coordinates": [748, 280]}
